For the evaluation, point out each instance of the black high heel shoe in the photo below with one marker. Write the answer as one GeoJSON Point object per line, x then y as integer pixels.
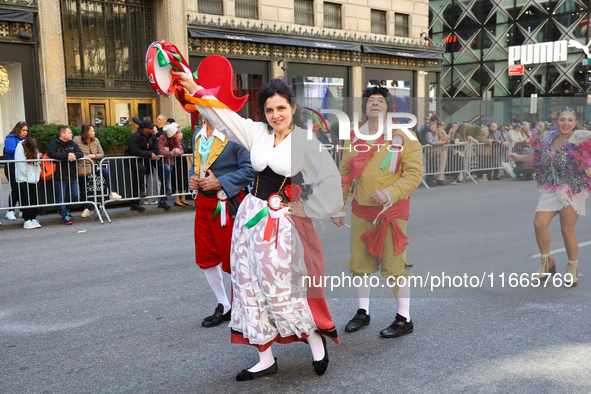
{"type": "Point", "coordinates": [247, 375]}
{"type": "Point", "coordinates": [321, 365]}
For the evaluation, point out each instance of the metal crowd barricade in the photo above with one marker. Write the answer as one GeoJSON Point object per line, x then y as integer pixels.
{"type": "Point", "coordinates": [489, 157]}
{"type": "Point", "coordinates": [23, 195]}
{"type": "Point", "coordinates": [139, 178]}
{"type": "Point", "coordinates": [466, 160]}
{"type": "Point", "coordinates": [447, 159]}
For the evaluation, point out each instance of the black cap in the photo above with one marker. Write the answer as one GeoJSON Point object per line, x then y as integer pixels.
{"type": "Point", "coordinates": [146, 124]}
{"type": "Point", "coordinates": [136, 121]}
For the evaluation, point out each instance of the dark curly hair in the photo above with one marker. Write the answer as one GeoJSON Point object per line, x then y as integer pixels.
{"type": "Point", "coordinates": [382, 91]}
{"type": "Point", "coordinates": [279, 86]}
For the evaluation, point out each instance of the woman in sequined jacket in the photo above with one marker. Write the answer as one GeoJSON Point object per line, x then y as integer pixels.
{"type": "Point", "coordinates": [563, 184]}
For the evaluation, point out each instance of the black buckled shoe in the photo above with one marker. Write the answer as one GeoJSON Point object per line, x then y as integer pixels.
{"type": "Point", "coordinates": [217, 318]}
{"type": "Point", "coordinates": [246, 375]}
{"type": "Point", "coordinates": [135, 206]}
{"type": "Point", "coordinates": [321, 365]}
{"type": "Point", "coordinates": [398, 328]}
{"type": "Point", "coordinates": [361, 319]}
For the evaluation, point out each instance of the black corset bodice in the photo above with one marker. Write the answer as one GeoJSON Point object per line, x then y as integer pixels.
{"type": "Point", "coordinates": [267, 182]}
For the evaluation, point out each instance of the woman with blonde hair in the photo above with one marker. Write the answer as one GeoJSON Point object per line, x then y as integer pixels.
{"type": "Point", "coordinates": [563, 168]}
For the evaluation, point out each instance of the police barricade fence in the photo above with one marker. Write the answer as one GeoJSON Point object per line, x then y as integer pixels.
{"type": "Point", "coordinates": [139, 179]}
{"type": "Point", "coordinates": [64, 187]}
{"type": "Point", "coordinates": [465, 160]}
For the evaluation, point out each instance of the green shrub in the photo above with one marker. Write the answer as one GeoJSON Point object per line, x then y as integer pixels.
{"type": "Point", "coordinates": [113, 139]}
{"type": "Point", "coordinates": [188, 134]}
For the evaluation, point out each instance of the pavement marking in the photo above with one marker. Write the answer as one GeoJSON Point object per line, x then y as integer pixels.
{"type": "Point", "coordinates": [561, 250]}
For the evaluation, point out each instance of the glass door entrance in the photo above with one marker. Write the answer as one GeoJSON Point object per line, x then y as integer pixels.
{"type": "Point", "coordinates": [110, 112]}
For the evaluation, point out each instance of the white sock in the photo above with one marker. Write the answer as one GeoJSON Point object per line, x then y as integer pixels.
{"type": "Point", "coordinates": [216, 282]}
{"type": "Point", "coordinates": [363, 294]}
{"type": "Point", "coordinates": [265, 361]}
{"type": "Point", "coordinates": [403, 301]}
{"type": "Point", "coordinates": [316, 346]}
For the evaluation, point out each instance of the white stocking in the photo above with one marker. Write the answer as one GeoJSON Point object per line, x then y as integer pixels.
{"type": "Point", "coordinates": [363, 293]}
{"type": "Point", "coordinates": [265, 361]}
{"type": "Point", "coordinates": [216, 282]}
{"type": "Point", "coordinates": [316, 346]}
{"type": "Point", "coordinates": [403, 300]}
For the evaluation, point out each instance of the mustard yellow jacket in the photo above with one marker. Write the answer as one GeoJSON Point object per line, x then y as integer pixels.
{"type": "Point", "coordinates": [400, 185]}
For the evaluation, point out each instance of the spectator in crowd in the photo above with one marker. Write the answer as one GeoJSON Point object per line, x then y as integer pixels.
{"type": "Point", "coordinates": [453, 162]}
{"type": "Point", "coordinates": [519, 138]}
{"type": "Point", "coordinates": [443, 139]}
{"type": "Point", "coordinates": [170, 121]}
{"type": "Point", "coordinates": [27, 177]}
{"type": "Point", "coordinates": [170, 147]}
{"type": "Point", "coordinates": [160, 123]}
{"type": "Point", "coordinates": [466, 124]}
{"type": "Point", "coordinates": [92, 149]}
{"type": "Point", "coordinates": [516, 134]}
{"type": "Point", "coordinates": [526, 130]}
{"type": "Point", "coordinates": [431, 153]}
{"type": "Point", "coordinates": [180, 177]}
{"type": "Point", "coordinates": [462, 137]}
{"type": "Point", "coordinates": [484, 153]}
{"type": "Point", "coordinates": [143, 144]}
{"type": "Point", "coordinates": [494, 134]}
{"type": "Point", "coordinates": [422, 128]}
{"type": "Point", "coordinates": [17, 135]}
{"type": "Point", "coordinates": [65, 150]}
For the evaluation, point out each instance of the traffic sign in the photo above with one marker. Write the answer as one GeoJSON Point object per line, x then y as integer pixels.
{"type": "Point", "coordinates": [516, 70]}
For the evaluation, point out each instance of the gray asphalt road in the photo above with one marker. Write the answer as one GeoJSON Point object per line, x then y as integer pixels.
{"type": "Point", "coordinates": [117, 309]}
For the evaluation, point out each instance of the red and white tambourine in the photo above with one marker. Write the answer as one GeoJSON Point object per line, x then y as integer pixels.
{"type": "Point", "coordinates": [159, 76]}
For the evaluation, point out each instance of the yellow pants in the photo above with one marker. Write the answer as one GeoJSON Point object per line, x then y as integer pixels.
{"type": "Point", "coordinates": [362, 262]}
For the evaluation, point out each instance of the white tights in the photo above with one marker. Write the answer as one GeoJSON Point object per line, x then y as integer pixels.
{"type": "Point", "coordinates": [216, 282]}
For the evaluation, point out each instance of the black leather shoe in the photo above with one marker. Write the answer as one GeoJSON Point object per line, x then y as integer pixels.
{"type": "Point", "coordinates": [217, 318]}
{"type": "Point", "coordinates": [246, 375]}
{"type": "Point", "coordinates": [361, 319]}
{"type": "Point", "coordinates": [398, 328]}
{"type": "Point", "coordinates": [164, 205]}
{"type": "Point", "coordinates": [321, 365]}
{"type": "Point", "coordinates": [136, 207]}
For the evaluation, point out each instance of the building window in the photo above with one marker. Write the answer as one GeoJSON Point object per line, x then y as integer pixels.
{"type": "Point", "coordinates": [378, 22]}
{"type": "Point", "coordinates": [211, 7]}
{"type": "Point", "coordinates": [105, 43]}
{"type": "Point", "coordinates": [12, 99]}
{"type": "Point", "coordinates": [401, 25]}
{"type": "Point", "coordinates": [304, 12]}
{"type": "Point", "coordinates": [332, 15]}
{"type": "Point", "coordinates": [247, 9]}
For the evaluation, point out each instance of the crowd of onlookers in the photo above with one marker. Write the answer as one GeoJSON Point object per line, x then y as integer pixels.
{"type": "Point", "coordinates": [450, 149]}
{"type": "Point", "coordinates": [159, 148]}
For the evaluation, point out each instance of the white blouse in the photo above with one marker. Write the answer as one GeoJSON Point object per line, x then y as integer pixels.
{"type": "Point", "coordinates": [296, 153]}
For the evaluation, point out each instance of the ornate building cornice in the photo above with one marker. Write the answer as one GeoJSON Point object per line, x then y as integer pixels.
{"type": "Point", "coordinates": [291, 31]}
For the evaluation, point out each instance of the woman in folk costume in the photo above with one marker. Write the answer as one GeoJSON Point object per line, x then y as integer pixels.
{"type": "Point", "coordinates": [274, 244]}
{"type": "Point", "coordinates": [562, 160]}
{"type": "Point", "coordinates": [384, 178]}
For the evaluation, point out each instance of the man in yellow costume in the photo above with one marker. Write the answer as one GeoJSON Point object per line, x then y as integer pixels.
{"type": "Point", "coordinates": [385, 174]}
